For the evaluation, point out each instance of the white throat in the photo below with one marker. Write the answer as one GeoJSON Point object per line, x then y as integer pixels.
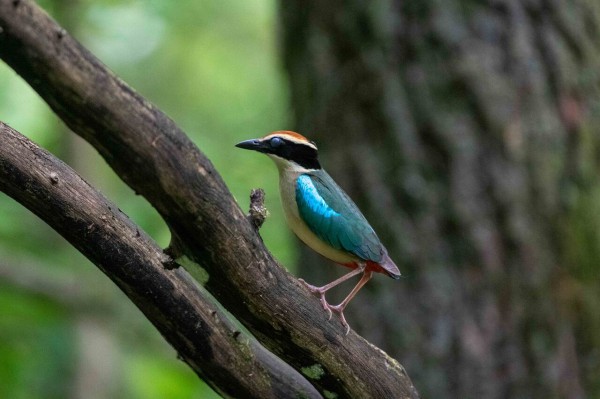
{"type": "Point", "coordinates": [288, 167]}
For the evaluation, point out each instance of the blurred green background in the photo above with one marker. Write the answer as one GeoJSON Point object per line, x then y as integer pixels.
{"type": "Point", "coordinates": [212, 66]}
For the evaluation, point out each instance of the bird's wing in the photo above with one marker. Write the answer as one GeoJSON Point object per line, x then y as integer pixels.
{"type": "Point", "coordinates": [333, 217]}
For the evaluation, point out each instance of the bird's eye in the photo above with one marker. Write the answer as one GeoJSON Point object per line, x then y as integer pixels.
{"type": "Point", "coordinates": [276, 142]}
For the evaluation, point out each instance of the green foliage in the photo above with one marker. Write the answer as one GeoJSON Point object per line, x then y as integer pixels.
{"type": "Point", "coordinates": [36, 347]}
{"type": "Point", "coordinates": [169, 379]}
{"type": "Point", "coordinates": [211, 65]}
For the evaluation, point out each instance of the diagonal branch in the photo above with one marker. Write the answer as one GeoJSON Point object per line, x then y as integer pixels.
{"type": "Point", "coordinates": [151, 154]}
{"type": "Point", "coordinates": [185, 315]}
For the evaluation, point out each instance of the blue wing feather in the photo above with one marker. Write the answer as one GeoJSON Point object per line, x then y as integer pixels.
{"type": "Point", "coordinates": [333, 217]}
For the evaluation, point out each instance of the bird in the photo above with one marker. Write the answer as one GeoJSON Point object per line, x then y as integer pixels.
{"type": "Point", "coordinates": [323, 216]}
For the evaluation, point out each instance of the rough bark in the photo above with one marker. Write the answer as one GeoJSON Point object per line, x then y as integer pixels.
{"type": "Point", "coordinates": [185, 315]}
{"type": "Point", "coordinates": [158, 161]}
{"type": "Point", "coordinates": [467, 132]}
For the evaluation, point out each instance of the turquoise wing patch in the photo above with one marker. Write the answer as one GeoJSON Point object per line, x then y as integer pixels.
{"type": "Point", "coordinates": [333, 217]}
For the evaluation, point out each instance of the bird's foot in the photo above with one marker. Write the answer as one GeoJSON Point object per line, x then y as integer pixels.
{"type": "Point", "coordinates": [339, 310]}
{"type": "Point", "coordinates": [320, 293]}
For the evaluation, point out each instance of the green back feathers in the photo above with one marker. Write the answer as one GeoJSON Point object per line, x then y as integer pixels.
{"type": "Point", "coordinates": [334, 218]}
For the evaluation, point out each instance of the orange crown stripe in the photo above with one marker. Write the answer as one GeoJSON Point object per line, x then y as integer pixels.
{"type": "Point", "coordinates": [295, 135]}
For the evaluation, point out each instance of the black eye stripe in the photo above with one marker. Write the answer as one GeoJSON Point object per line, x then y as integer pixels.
{"type": "Point", "coordinates": [303, 154]}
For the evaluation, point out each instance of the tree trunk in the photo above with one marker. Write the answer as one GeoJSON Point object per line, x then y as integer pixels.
{"type": "Point", "coordinates": [467, 133]}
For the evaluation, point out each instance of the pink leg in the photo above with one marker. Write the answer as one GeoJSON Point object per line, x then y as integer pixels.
{"type": "Point", "coordinates": [339, 309]}
{"type": "Point", "coordinates": [320, 291]}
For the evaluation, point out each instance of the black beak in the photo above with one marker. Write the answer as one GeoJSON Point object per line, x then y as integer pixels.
{"type": "Point", "coordinates": [253, 144]}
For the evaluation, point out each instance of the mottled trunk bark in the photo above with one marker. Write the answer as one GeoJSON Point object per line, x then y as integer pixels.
{"type": "Point", "coordinates": [468, 134]}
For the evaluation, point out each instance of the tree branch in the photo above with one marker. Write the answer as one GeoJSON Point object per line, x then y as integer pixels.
{"type": "Point", "coordinates": [151, 154]}
{"type": "Point", "coordinates": [186, 316]}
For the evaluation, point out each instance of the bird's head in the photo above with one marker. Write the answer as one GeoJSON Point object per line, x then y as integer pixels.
{"type": "Point", "coordinates": [287, 149]}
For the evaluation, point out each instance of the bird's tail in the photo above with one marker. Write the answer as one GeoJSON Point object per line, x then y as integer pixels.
{"type": "Point", "coordinates": [389, 266]}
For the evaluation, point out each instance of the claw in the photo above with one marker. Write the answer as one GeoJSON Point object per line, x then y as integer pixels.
{"type": "Point", "coordinates": [339, 309]}
{"type": "Point", "coordinates": [326, 307]}
{"type": "Point", "coordinates": [320, 293]}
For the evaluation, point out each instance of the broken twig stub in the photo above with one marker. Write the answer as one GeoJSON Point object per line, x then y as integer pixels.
{"type": "Point", "coordinates": [258, 212]}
